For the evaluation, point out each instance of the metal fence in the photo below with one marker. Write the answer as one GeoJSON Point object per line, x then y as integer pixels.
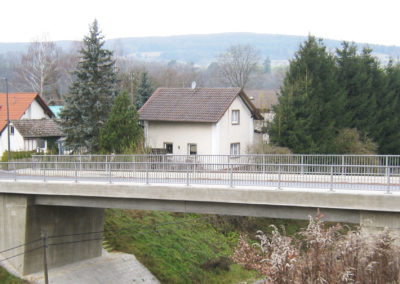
{"type": "Point", "coordinates": [355, 172]}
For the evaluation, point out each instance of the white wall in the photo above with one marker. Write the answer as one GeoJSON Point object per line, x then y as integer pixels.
{"type": "Point", "coordinates": [180, 134]}
{"type": "Point", "coordinates": [16, 141]}
{"type": "Point", "coordinates": [228, 133]}
{"type": "Point", "coordinates": [35, 111]}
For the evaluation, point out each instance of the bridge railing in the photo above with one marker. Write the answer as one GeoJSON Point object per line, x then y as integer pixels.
{"type": "Point", "coordinates": [277, 171]}
{"type": "Point", "coordinates": [349, 163]}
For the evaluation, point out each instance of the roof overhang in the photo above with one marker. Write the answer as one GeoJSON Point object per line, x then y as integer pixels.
{"type": "Point", "coordinates": [253, 109]}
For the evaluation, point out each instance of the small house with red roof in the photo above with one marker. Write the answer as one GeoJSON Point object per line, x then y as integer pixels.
{"type": "Point", "coordinates": [218, 121]}
{"type": "Point", "coordinates": [31, 124]}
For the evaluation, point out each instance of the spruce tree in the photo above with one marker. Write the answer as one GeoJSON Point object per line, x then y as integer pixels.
{"type": "Point", "coordinates": [91, 94]}
{"type": "Point", "coordinates": [311, 103]}
{"type": "Point", "coordinates": [364, 82]}
{"type": "Point", "coordinates": [387, 130]}
{"type": "Point", "coordinates": [122, 131]}
{"type": "Point", "coordinates": [143, 91]}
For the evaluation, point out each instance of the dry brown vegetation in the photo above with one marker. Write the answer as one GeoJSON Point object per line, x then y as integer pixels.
{"type": "Point", "coordinates": [319, 254]}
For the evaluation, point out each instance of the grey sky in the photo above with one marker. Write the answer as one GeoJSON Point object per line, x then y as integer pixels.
{"type": "Point", "coordinates": [352, 20]}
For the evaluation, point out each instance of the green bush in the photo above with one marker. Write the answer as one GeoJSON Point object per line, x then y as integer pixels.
{"type": "Point", "coordinates": [17, 155]}
{"type": "Point", "coordinates": [348, 141]}
{"type": "Point", "coordinates": [261, 148]}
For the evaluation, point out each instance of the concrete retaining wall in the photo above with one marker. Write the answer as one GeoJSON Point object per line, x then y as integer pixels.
{"type": "Point", "coordinates": [22, 222]}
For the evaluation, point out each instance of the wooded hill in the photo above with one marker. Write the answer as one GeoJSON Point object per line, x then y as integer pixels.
{"type": "Point", "coordinates": [203, 49]}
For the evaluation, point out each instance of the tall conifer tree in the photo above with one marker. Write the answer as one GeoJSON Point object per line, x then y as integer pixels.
{"type": "Point", "coordinates": [387, 130]}
{"type": "Point", "coordinates": [143, 91]}
{"type": "Point", "coordinates": [364, 81]}
{"type": "Point", "coordinates": [91, 94]}
{"type": "Point", "coordinates": [311, 102]}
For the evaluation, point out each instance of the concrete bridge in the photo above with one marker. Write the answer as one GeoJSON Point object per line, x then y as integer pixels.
{"type": "Point", "coordinates": [66, 195]}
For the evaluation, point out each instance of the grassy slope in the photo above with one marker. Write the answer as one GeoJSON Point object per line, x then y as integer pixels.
{"type": "Point", "coordinates": [6, 278]}
{"type": "Point", "coordinates": [189, 247]}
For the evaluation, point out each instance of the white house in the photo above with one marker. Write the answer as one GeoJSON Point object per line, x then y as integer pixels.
{"type": "Point", "coordinates": [218, 121]}
{"type": "Point", "coordinates": [31, 126]}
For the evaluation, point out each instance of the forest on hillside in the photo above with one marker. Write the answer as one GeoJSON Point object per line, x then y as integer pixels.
{"type": "Point", "coordinates": [45, 67]}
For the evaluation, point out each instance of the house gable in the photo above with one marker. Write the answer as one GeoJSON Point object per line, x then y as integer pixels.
{"type": "Point", "coordinates": [22, 105]}
{"type": "Point", "coordinates": [226, 133]}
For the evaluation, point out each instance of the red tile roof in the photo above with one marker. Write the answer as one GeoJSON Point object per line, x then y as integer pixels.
{"type": "Point", "coordinates": [186, 104]}
{"type": "Point", "coordinates": [19, 103]}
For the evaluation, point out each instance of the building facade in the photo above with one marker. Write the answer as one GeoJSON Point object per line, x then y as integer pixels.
{"type": "Point", "coordinates": [217, 121]}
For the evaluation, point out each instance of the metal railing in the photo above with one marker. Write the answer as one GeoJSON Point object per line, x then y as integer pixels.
{"type": "Point", "coordinates": [368, 172]}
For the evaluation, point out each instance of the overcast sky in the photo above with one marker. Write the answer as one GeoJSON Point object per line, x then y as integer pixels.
{"type": "Point", "coordinates": [352, 20]}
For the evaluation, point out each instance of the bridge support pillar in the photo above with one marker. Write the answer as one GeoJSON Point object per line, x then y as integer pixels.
{"type": "Point", "coordinates": [74, 233]}
{"type": "Point", "coordinates": [376, 221]}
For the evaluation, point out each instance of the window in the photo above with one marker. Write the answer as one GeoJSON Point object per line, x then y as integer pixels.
{"type": "Point", "coordinates": [40, 143]}
{"type": "Point", "coordinates": [192, 149]}
{"type": "Point", "coordinates": [235, 149]}
{"type": "Point", "coordinates": [12, 130]}
{"type": "Point", "coordinates": [169, 147]}
{"type": "Point", "coordinates": [235, 116]}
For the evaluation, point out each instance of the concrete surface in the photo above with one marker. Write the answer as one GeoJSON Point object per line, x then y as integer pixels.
{"type": "Point", "coordinates": [72, 208]}
{"type": "Point", "coordinates": [22, 223]}
{"type": "Point", "coordinates": [315, 198]}
{"type": "Point", "coordinates": [13, 214]}
{"type": "Point", "coordinates": [70, 225]}
{"type": "Point", "coordinates": [110, 268]}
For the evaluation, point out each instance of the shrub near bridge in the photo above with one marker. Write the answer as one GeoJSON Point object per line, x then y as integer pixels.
{"type": "Point", "coordinates": [322, 255]}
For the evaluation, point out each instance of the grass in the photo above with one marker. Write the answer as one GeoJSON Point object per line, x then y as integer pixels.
{"type": "Point", "coordinates": [7, 278]}
{"type": "Point", "coordinates": [185, 248]}
{"type": "Point", "coordinates": [182, 248]}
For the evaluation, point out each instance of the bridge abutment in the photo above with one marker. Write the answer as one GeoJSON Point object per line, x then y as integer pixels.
{"type": "Point", "coordinates": [373, 222]}
{"type": "Point", "coordinates": [74, 233]}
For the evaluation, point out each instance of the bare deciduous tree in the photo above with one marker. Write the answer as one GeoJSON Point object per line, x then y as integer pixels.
{"type": "Point", "coordinates": [237, 64]}
{"type": "Point", "coordinates": [38, 70]}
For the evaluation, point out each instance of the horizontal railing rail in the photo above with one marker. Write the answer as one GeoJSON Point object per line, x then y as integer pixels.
{"type": "Point", "coordinates": [368, 172]}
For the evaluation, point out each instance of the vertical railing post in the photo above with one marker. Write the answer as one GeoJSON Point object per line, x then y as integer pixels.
{"type": "Point", "coordinates": [231, 175]}
{"type": "Point", "coordinates": [279, 177]}
{"type": "Point", "coordinates": [263, 162]}
{"type": "Point", "coordinates": [147, 172]}
{"type": "Point", "coordinates": [342, 165]}
{"type": "Point", "coordinates": [187, 173]}
{"type": "Point", "coordinates": [109, 172]}
{"type": "Point", "coordinates": [331, 183]}
{"type": "Point", "coordinates": [44, 171]}
{"type": "Point", "coordinates": [194, 166]}
{"type": "Point", "coordinates": [386, 162]}
{"type": "Point", "coordinates": [15, 172]}
{"type": "Point", "coordinates": [387, 180]}
{"type": "Point", "coordinates": [264, 169]}
{"type": "Point", "coordinates": [76, 172]}
{"type": "Point", "coordinates": [302, 164]}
